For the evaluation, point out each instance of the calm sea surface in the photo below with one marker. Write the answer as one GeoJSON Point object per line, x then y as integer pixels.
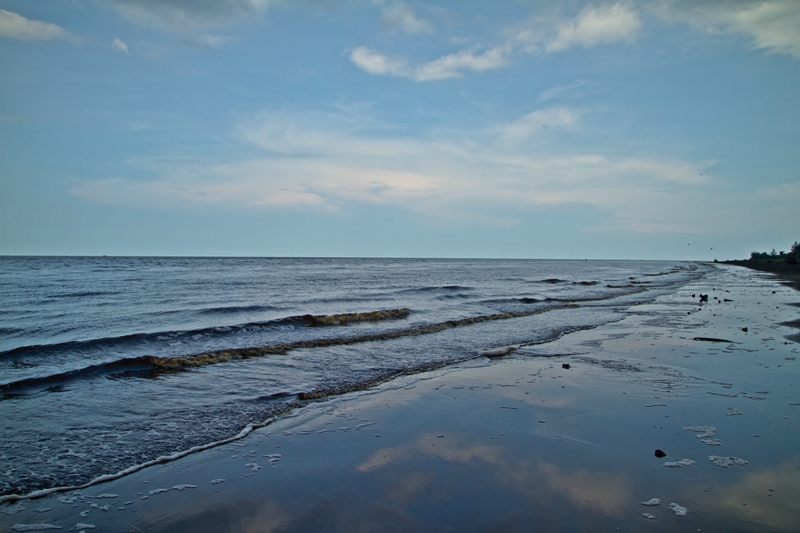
{"type": "Point", "coordinates": [106, 363]}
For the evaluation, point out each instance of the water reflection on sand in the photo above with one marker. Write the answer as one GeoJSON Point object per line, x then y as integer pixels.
{"type": "Point", "coordinates": [539, 481]}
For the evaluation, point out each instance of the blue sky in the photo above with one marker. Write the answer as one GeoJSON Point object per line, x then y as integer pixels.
{"type": "Point", "coordinates": [642, 130]}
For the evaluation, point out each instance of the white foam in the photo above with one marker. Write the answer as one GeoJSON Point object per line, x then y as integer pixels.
{"type": "Point", "coordinates": [679, 510]}
{"type": "Point", "coordinates": [652, 502]}
{"type": "Point", "coordinates": [712, 442]}
{"type": "Point", "coordinates": [34, 527]}
{"type": "Point", "coordinates": [704, 431]}
{"type": "Point", "coordinates": [726, 462]}
{"type": "Point", "coordinates": [648, 516]}
{"type": "Point", "coordinates": [85, 526]}
{"type": "Point", "coordinates": [499, 352]}
{"type": "Point", "coordinates": [679, 464]}
{"type": "Point", "coordinates": [733, 412]}
{"type": "Point", "coordinates": [217, 481]}
{"type": "Point", "coordinates": [249, 428]}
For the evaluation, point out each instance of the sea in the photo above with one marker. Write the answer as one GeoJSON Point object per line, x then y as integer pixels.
{"type": "Point", "coordinates": [111, 363]}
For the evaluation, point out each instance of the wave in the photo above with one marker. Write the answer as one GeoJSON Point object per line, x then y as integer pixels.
{"type": "Point", "coordinates": [151, 366]}
{"type": "Point", "coordinates": [121, 341]}
{"type": "Point", "coordinates": [438, 288]}
{"type": "Point", "coordinates": [85, 294]}
{"type": "Point", "coordinates": [234, 309]}
{"type": "Point", "coordinates": [673, 270]}
{"type": "Point", "coordinates": [348, 318]}
{"type": "Point", "coordinates": [302, 398]}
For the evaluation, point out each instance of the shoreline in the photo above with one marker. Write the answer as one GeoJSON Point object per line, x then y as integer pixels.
{"type": "Point", "coordinates": [514, 443]}
{"type": "Point", "coordinates": [788, 274]}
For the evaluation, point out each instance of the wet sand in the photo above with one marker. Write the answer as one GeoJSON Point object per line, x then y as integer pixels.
{"type": "Point", "coordinates": [515, 443]}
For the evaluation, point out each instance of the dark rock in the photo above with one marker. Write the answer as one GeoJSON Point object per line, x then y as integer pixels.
{"type": "Point", "coordinates": [565, 365]}
{"type": "Point", "coordinates": [660, 454]}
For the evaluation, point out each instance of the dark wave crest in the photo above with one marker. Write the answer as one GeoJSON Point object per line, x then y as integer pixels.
{"type": "Point", "coordinates": [143, 338]}
{"type": "Point", "coordinates": [150, 366]}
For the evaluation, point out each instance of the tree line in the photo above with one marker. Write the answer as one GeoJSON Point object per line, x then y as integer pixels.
{"type": "Point", "coordinates": [793, 257]}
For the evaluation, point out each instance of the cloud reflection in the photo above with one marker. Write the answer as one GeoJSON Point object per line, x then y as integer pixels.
{"type": "Point", "coordinates": [540, 481]}
{"type": "Point", "coordinates": [771, 495]}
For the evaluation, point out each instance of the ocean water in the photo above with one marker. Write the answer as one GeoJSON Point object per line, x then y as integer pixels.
{"type": "Point", "coordinates": [109, 363]}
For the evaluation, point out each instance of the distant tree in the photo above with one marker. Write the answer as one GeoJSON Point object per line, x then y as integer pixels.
{"type": "Point", "coordinates": [794, 254]}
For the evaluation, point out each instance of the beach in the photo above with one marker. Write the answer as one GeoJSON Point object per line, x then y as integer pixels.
{"type": "Point", "coordinates": [558, 436]}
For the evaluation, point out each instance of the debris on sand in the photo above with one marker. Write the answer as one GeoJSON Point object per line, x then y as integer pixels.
{"type": "Point", "coordinates": [679, 510]}
{"type": "Point", "coordinates": [704, 432]}
{"type": "Point", "coordinates": [726, 462]}
{"type": "Point", "coordinates": [499, 352]}
{"type": "Point", "coordinates": [679, 464]}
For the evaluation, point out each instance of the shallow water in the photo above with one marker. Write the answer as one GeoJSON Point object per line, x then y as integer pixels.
{"type": "Point", "coordinates": [107, 363]}
{"type": "Point", "coordinates": [515, 443]}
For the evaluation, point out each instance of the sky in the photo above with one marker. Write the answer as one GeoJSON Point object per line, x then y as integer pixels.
{"type": "Point", "coordinates": [665, 129]}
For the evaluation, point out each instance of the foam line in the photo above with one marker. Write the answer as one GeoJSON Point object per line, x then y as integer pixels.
{"type": "Point", "coordinates": [249, 428]}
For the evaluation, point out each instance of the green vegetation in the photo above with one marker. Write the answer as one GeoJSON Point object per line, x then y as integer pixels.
{"type": "Point", "coordinates": [793, 257]}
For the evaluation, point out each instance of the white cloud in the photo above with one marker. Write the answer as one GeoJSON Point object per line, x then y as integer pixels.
{"type": "Point", "coordinates": [326, 163]}
{"type": "Point", "coordinates": [596, 25]}
{"type": "Point", "coordinates": [376, 63]}
{"type": "Point", "coordinates": [773, 25]}
{"type": "Point", "coordinates": [16, 26]}
{"type": "Point", "coordinates": [187, 18]}
{"type": "Point", "coordinates": [557, 117]}
{"type": "Point", "coordinates": [453, 65]}
{"type": "Point", "coordinates": [403, 17]}
{"type": "Point", "coordinates": [563, 91]}
{"type": "Point", "coordinates": [120, 45]}
{"type": "Point", "coordinates": [592, 26]}
{"type": "Point", "coordinates": [449, 66]}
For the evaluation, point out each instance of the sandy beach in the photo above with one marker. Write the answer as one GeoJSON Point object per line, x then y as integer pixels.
{"type": "Point", "coordinates": [556, 437]}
